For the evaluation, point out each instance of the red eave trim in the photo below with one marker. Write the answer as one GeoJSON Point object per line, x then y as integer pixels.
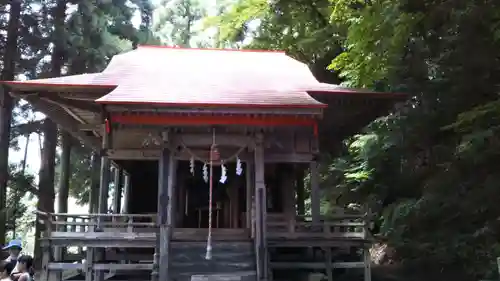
{"type": "Point", "coordinates": [212, 49]}
{"type": "Point", "coordinates": [57, 84]}
{"type": "Point", "coordinates": [212, 105]}
{"type": "Point", "coordinates": [356, 92]}
{"type": "Point", "coordinates": [211, 120]}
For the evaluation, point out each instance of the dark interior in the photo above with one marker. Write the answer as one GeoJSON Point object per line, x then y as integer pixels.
{"type": "Point", "coordinates": [144, 190]}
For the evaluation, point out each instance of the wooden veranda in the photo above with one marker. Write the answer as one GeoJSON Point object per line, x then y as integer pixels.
{"type": "Point", "coordinates": [256, 122]}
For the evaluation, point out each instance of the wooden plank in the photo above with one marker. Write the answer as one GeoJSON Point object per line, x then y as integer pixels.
{"type": "Point", "coordinates": [308, 235]}
{"type": "Point", "coordinates": [91, 127]}
{"type": "Point", "coordinates": [191, 140]}
{"type": "Point", "coordinates": [100, 266]}
{"type": "Point", "coordinates": [123, 266]}
{"type": "Point", "coordinates": [65, 266]}
{"type": "Point", "coordinates": [154, 154]}
{"type": "Point", "coordinates": [234, 276]}
{"type": "Point", "coordinates": [178, 234]}
{"type": "Point", "coordinates": [103, 215]}
{"type": "Point", "coordinates": [314, 265]}
{"type": "Point", "coordinates": [101, 235]}
{"type": "Point", "coordinates": [324, 242]}
{"type": "Point", "coordinates": [218, 234]}
{"type": "Point", "coordinates": [326, 224]}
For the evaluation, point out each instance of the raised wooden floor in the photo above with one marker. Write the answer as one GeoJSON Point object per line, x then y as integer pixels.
{"type": "Point", "coordinates": [123, 236]}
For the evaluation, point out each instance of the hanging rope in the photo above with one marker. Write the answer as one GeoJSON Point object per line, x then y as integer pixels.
{"type": "Point", "coordinates": [208, 255]}
{"type": "Point", "coordinates": [201, 159]}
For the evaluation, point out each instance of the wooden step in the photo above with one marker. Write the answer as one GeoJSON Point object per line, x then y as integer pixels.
{"type": "Point", "coordinates": [234, 276]}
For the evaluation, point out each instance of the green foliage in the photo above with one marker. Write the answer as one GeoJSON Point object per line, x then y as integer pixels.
{"type": "Point", "coordinates": [81, 175]}
{"type": "Point", "coordinates": [376, 41]}
{"type": "Point", "coordinates": [428, 169]}
{"type": "Point", "coordinates": [177, 23]}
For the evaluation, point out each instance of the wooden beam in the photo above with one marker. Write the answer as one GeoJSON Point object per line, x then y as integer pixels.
{"type": "Point", "coordinates": [154, 154]}
{"type": "Point", "coordinates": [191, 140]}
{"type": "Point", "coordinates": [91, 127]}
{"type": "Point", "coordinates": [225, 111]}
{"type": "Point", "coordinates": [286, 141]}
{"type": "Point", "coordinates": [81, 105]}
{"type": "Point", "coordinates": [59, 116]}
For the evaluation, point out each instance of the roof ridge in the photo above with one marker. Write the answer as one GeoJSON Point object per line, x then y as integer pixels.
{"type": "Point", "coordinates": [211, 49]}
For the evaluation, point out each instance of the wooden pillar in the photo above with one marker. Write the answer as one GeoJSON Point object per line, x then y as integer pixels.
{"type": "Point", "coordinates": [315, 194]}
{"type": "Point", "coordinates": [117, 194]}
{"type": "Point", "coordinates": [166, 181]}
{"type": "Point", "coordinates": [299, 180]}
{"type": "Point", "coordinates": [288, 195]}
{"type": "Point", "coordinates": [126, 193]}
{"type": "Point", "coordinates": [249, 176]}
{"type": "Point", "coordinates": [367, 264]}
{"type": "Point", "coordinates": [260, 210]}
{"type": "Point", "coordinates": [94, 184]}
{"type": "Point", "coordinates": [103, 196]}
{"type": "Point", "coordinates": [104, 177]}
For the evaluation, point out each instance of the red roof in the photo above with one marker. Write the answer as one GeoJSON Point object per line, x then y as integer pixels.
{"type": "Point", "coordinates": [189, 77]}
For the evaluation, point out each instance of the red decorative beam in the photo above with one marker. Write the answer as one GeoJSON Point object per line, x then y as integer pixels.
{"type": "Point", "coordinates": [212, 120]}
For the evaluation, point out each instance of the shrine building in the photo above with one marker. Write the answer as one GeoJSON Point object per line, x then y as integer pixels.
{"type": "Point", "coordinates": [211, 161]}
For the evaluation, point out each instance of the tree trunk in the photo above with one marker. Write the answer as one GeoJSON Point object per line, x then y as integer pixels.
{"type": "Point", "coordinates": [62, 198]}
{"type": "Point", "coordinates": [46, 196]}
{"type": "Point", "coordinates": [46, 180]}
{"type": "Point", "coordinates": [6, 104]}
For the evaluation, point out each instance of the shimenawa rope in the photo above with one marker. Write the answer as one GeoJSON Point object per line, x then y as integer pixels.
{"type": "Point", "coordinates": [208, 255]}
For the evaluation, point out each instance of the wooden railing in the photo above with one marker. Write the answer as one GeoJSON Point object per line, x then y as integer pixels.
{"type": "Point", "coordinates": [99, 230]}
{"type": "Point", "coordinates": [93, 233]}
{"type": "Point", "coordinates": [118, 231]}
{"type": "Point", "coordinates": [345, 226]}
{"type": "Point", "coordinates": [97, 222]}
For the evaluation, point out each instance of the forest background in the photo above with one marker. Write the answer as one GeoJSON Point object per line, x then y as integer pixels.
{"type": "Point", "coordinates": [428, 169]}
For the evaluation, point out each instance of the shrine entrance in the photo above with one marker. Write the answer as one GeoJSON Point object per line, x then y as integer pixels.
{"type": "Point", "coordinates": [228, 197]}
